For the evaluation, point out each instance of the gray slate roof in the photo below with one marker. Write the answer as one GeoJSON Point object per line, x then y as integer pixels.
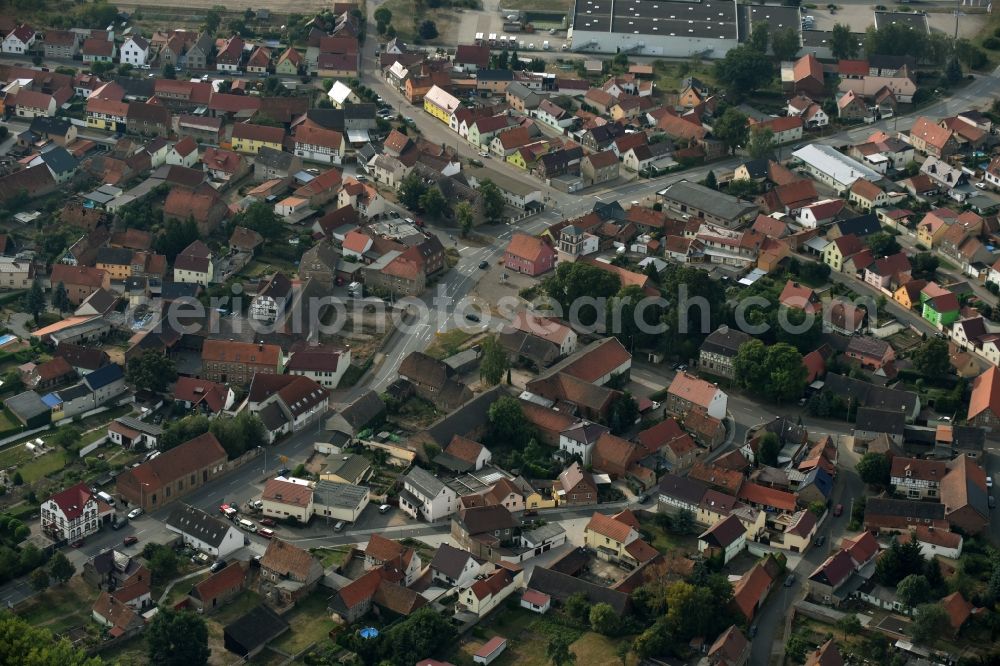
{"type": "Point", "coordinates": [198, 524]}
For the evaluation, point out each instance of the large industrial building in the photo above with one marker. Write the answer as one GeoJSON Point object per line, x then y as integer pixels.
{"type": "Point", "coordinates": [666, 28]}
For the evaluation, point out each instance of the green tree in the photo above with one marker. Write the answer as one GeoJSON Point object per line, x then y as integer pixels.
{"type": "Point", "coordinates": [152, 371]}
{"type": "Point", "coordinates": [577, 606]}
{"type": "Point", "coordinates": [213, 19]}
{"type": "Point", "coordinates": [743, 188]}
{"type": "Point", "coordinates": [785, 43]}
{"type": "Point", "coordinates": [34, 302]}
{"type": "Point", "coordinates": [573, 281]}
{"type": "Point", "coordinates": [924, 266]}
{"type": "Point", "coordinates": [465, 218]}
{"type": "Point", "coordinates": [168, 71]}
{"type": "Point", "coordinates": [260, 217]}
{"type": "Point", "coordinates": [929, 622]}
{"type": "Point", "coordinates": [931, 358]}
{"type": "Point", "coordinates": [874, 468]}
{"type": "Point", "coordinates": [411, 190]}
{"type": "Point", "coordinates": [882, 244]}
{"type": "Point", "coordinates": [419, 636]}
{"type": "Point", "coordinates": [731, 129]}
{"type": "Point", "coordinates": [953, 71]}
{"type": "Point", "coordinates": [177, 638]}
{"type": "Point", "coordinates": [899, 561]}
{"type": "Point", "coordinates": [176, 236]}
{"type": "Point", "coordinates": [842, 43]}
{"type": "Point", "coordinates": [768, 449]}
{"type": "Point", "coordinates": [162, 562]}
{"type": "Point", "coordinates": [684, 522]}
{"type": "Point", "coordinates": [60, 299]}
{"type": "Point", "coordinates": [604, 619]}
{"type": "Point", "coordinates": [690, 610]}
{"type": "Point", "coordinates": [711, 181]}
{"type": "Point", "coordinates": [494, 362]}
{"type": "Point", "coordinates": [428, 30]}
{"type": "Point", "coordinates": [39, 579]}
{"type": "Point", "coordinates": [970, 55]}
{"type": "Point", "coordinates": [493, 203]}
{"type": "Point", "coordinates": [66, 437]}
{"type": "Point", "coordinates": [913, 591]}
{"type": "Point", "coordinates": [797, 647]}
{"type": "Point", "coordinates": [22, 644]}
{"type": "Point", "coordinates": [761, 143]}
{"type": "Point", "coordinates": [743, 69]}
{"type": "Point", "coordinates": [61, 568]}
{"type": "Point", "coordinates": [177, 432]}
{"type": "Point", "coordinates": [557, 651]}
{"type": "Point", "coordinates": [17, 479]}
{"type": "Point", "coordinates": [849, 625]}
{"type": "Point", "coordinates": [239, 434]}
{"type": "Point", "coordinates": [433, 203]}
{"type": "Point", "coordinates": [508, 427]}
{"type": "Point", "coordinates": [776, 370]}
{"type": "Point", "coordinates": [382, 15]}
{"type": "Point", "coordinates": [623, 413]}
{"type": "Point", "coordinates": [759, 35]}
{"type": "Point", "coordinates": [818, 508]}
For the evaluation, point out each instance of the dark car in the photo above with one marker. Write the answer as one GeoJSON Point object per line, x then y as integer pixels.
{"type": "Point", "coordinates": [472, 316]}
{"type": "Point", "coordinates": [790, 580]}
{"type": "Point", "coordinates": [219, 565]}
{"type": "Point", "coordinates": [77, 544]}
{"type": "Point", "coordinates": [129, 540]}
{"type": "Point", "coordinates": [484, 264]}
{"type": "Point", "coordinates": [267, 522]}
{"type": "Point", "coordinates": [819, 541]}
{"type": "Point", "coordinates": [838, 510]}
{"type": "Point", "coordinates": [122, 522]}
{"type": "Point", "coordinates": [284, 471]}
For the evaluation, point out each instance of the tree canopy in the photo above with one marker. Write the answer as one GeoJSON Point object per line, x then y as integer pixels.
{"type": "Point", "coordinates": [931, 358]}
{"type": "Point", "coordinates": [22, 644]}
{"type": "Point", "coordinates": [776, 371]}
{"type": "Point", "coordinates": [761, 143]}
{"type": "Point", "coordinates": [785, 43]}
{"type": "Point", "coordinates": [731, 129]}
{"type": "Point", "coordinates": [152, 371]}
{"type": "Point", "coordinates": [842, 42]}
{"type": "Point", "coordinates": [494, 362]}
{"type": "Point", "coordinates": [874, 468]}
{"type": "Point", "coordinates": [573, 281]}
{"type": "Point", "coordinates": [493, 202]}
{"type": "Point", "coordinates": [745, 69]}
{"type": "Point", "coordinates": [177, 638]}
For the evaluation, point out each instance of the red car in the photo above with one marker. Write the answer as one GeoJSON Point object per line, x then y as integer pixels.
{"type": "Point", "coordinates": [839, 509]}
{"type": "Point", "coordinates": [269, 522]}
{"type": "Point", "coordinates": [77, 544]}
{"type": "Point", "coordinates": [129, 540]}
{"type": "Point", "coordinates": [266, 533]}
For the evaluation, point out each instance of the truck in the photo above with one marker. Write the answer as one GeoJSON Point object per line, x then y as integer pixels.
{"type": "Point", "coordinates": [493, 39]}
{"type": "Point", "coordinates": [479, 39]}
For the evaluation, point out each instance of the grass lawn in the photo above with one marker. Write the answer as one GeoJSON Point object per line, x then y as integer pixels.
{"type": "Point", "coordinates": [236, 608]}
{"type": "Point", "coordinates": [310, 622]}
{"type": "Point", "coordinates": [15, 454]}
{"type": "Point", "coordinates": [43, 466]}
{"type": "Point", "coordinates": [669, 75]}
{"type": "Point", "coordinates": [181, 589]}
{"type": "Point", "coordinates": [541, 5]}
{"type": "Point", "coordinates": [448, 343]}
{"type": "Point", "coordinates": [405, 20]}
{"type": "Point", "coordinates": [665, 541]}
{"type": "Point", "coordinates": [331, 556]}
{"type": "Point", "coordinates": [61, 607]}
{"type": "Point", "coordinates": [7, 421]}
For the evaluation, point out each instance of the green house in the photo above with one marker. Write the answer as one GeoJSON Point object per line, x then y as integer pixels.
{"type": "Point", "coordinates": [941, 310]}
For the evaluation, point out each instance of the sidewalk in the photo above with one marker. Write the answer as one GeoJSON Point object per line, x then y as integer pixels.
{"type": "Point", "coordinates": [199, 572]}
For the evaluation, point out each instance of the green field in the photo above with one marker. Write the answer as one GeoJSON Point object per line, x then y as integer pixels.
{"type": "Point", "coordinates": [60, 607]}
{"type": "Point", "coordinates": [43, 466]}
{"type": "Point", "coordinates": [310, 622]}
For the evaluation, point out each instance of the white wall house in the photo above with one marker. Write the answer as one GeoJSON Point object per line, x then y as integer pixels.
{"type": "Point", "coordinates": [205, 533]}
{"type": "Point", "coordinates": [425, 496]}
{"type": "Point", "coordinates": [135, 52]}
{"type": "Point", "coordinates": [19, 40]}
{"type": "Point", "coordinates": [71, 514]}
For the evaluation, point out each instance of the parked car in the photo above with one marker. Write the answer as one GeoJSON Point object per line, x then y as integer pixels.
{"type": "Point", "coordinates": [129, 540]}
{"type": "Point", "coordinates": [135, 513]}
{"type": "Point", "coordinates": [472, 316]}
{"type": "Point", "coordinates": [78, 543]}
{"type": "Point", "coordinates": [339, 527]}
{"type": "Point", "coordinates": [484, 264]}
{"type": "Point", "coordinates": [266, 533]}
{"type": "Point", "coordinates": [119, 524]}
{"type": "Point", "coordinates": [838, 510]}
{"type": "Point", "coordinates": [385, 508]}
{"type": "Point", "coordinates": [989, 482]}
{"type": "Point", "coordinates": [790, 580]}
{"type": "Point", "coordinates": [820, 540]}
{"type": "Point", "coordinates": [269, 522]}
{"type": "Point", "coordinates": [993, 501]}
{"type": "Point", "coordinates": [219, 565]}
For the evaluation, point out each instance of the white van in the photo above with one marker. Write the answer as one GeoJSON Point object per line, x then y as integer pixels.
{"type": "Point", "coordinates": [106, 497]}
{"type": "Point", "coordinates": [247, 525]}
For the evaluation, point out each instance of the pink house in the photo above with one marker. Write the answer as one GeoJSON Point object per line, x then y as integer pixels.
{"type": "Point", "coordinates": [529, 255]}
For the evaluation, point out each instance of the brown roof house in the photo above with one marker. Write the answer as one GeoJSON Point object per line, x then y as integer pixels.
{"type": "Point", "coordinates": [287, 573]}
{"type": "Point", "coordinates": [202, 204]}
{"type": "Point", "coordinates": [173, 474]}
{"type": "Point", "coordinates": [433, 381]}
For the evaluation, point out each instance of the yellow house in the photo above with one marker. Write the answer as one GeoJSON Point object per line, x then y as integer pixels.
{"type": "Point", "coordinates": [117, 261]}
{"type": "Point", "coordinates": [440, 104]}
{"type": "Point", "coordinates": [249, 138]}
{"type": "Point", "coordinates": [289, 62]}
{"type": "Point", "coordinates": [536, 500]}
{"type": "Point", "coordinates": [716, 507]}
{"type": "Point", "coordinates": [930, 230]}
{"type": "Point", "coordinates": [909, 294]}
{"type": "Point", "coordinates": [837, 251]}
{"type": "Point", "coordinates": [517, 159]}
{"type": "Point", "coordinates": [799, 532]}
{"type": "Point", "coordinates": [106, 114]}
{"type": "Point", "coordinates": [616, 539]}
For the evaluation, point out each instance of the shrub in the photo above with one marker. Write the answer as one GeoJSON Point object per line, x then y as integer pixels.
{"type": "Point", "coordinates": [992, 43]}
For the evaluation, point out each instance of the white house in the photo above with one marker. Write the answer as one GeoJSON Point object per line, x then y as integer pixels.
{"type": "Point", "coordinates": [688, 391]}
{"type": "Point", "coordinates": [323, 364]}
{"type": "Point", "coordinates": [580, 439]}
{"type": "Point", "coordinates": [933, 541]}
{"type": "Point", "coordinates": [19, 40]}
{"type": "Point", "coordinates": [135, 52]}
{"type": "Point", "coordinates": [454, 567]}
{"type": "Point", "coordinates": [339, 501]}
{"type": "Point", "coordinates": [71, 514]}
{"type": "Point", "coordinates": [205, 533]}
{"type": "Point", "coordinates": [426, 496]}
{"type": "Point", "coordinates": [552, 115]}
{"type": "Point", "coordinates": [183, 153]}
{"type": "Point", "coordinates": [727, 538]}
{"type": "Point", "coordinates": [340, 94]}
{"type": "Point", "coordinates": [536, 602]}
{"type": "Point", "coordinates": [316, 144]}
{"type": "Point", "coordinates": [288, 498]}
{"type": "Point", "coordinates": [483, 596]}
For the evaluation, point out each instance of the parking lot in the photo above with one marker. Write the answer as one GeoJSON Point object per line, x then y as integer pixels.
{"type": "Point", "coordinates": [859, 15]}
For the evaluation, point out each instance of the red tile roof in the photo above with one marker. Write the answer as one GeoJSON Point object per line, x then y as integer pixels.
{"type": "Point", "coordinates": [772, 497]}
{"type": "Point", "coordinates": [751, 589]}
{"type": "Point", "coordinates": [693, 389]}
{"type": "Point", "coordinates": [85, 276]}
{"type": "Point", "coordinates": [262, 133]}
{"type": "Point", "coordinates": [529, 248]}
{"type": "Point", "coordinates": [72, 500]}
